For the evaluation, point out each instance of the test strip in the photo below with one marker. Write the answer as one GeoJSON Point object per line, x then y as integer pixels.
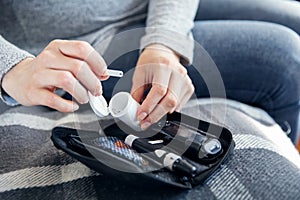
{"type": "Point", "coordinates": [115, 73]}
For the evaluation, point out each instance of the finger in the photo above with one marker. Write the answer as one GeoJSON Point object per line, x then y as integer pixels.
{"type": "Point", "coordinates": [181, 86]}
{"type": "Point", "coordinates": [190, 92]}
{"type": "Point", "coordinates": [84, 51]}
{"type": "Point", "coordinates": [187, 95]}
{"type": "Point", "coordinates": [183, 101]}
{"type": "Point", "coordinates": [178, 83]}
{"type": "Point", "coordinates": [104, 77]}
{"type": "Point", "coordinates": [169, 102]}
{"type": "Point", "coordinates": [138, 94]}
{"type": "Point", "coordinates": [158, 90]}
{"type": "Point", "coordinates": [139, 83]}
{"type": "Point", "coordinates": [89, 80]}
{"type": "Point", "coordinates": [162, 74]}
{"type": "Point", "coordinates": [81, 71]}
{"type": "Point", "coordinates": [156, 94]}
{"type": "Point", "coordinates": [54, 101]}
{"type": "Point", "coordinates": [65, 80]}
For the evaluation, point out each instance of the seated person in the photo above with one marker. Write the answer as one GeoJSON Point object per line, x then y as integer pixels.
{"type": "Point", "coordinates": [259, 62]}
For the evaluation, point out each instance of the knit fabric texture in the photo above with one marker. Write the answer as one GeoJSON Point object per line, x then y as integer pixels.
{"type": "Point", "coordinates": [264, 164]}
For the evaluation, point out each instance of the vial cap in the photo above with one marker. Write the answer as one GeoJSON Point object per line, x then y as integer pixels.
{"type": "Point", "coordinates": [99, 105]}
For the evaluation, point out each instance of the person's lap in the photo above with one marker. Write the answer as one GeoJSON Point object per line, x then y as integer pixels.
{"type": "Point", "coordinates": [259, 64]}
{"type": "Point", "coordinates": [270, 53]}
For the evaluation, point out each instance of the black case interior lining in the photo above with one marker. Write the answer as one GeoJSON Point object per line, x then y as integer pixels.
{"type": "Point", "coordinates": [98, 152]}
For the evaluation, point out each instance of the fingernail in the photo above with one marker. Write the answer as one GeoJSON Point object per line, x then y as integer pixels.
{"type": "Point", "coordinates": [142, 116]}
{"type": "Point", "coordinates": [145, 125]}
{"type": "Point", "coordinates": [85, 101]}
{"type": "Point", "coordinates": [104, 74]}
{"type": "Point", "coordinates": [172, 110]}
{"type": "Point", "coordinates": [104, 77]}
{"type": "Point", "coordinates": [75, 107]}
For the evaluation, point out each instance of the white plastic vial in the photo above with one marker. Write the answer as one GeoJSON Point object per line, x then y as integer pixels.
{"type": "Point", "coordinates": [121, 106]}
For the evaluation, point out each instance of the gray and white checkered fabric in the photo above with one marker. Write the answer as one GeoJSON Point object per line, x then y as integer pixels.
{"type": "Point", "coordinates": [264, 165]}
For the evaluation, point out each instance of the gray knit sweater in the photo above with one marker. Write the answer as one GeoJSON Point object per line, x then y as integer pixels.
{"type": "Point", "coordinates": [27, 26]}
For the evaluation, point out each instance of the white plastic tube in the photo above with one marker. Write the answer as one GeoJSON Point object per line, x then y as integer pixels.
{"type": "Point", "coordinates": [115, 73]}
{"type": "Point", "coordinates": [124, 107]}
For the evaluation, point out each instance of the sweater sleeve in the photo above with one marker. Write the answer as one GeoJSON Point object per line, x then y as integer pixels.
{"type": "Point", "coordinates": [170, 22]}
{"type": "Point", "coordinates": [10, 55]}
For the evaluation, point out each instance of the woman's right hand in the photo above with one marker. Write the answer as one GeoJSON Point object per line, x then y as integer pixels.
{"type": "Point", "coordinates": [70, 65]}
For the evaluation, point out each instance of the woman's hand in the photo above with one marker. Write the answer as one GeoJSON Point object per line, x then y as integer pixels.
{"type": "Point", "coordinates": [70, 65]}
{"type": "Point", "coordinates": [158, 67]}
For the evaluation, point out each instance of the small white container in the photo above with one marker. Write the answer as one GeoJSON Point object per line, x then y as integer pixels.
{"type": "Point", "coordinates": [121, 106]}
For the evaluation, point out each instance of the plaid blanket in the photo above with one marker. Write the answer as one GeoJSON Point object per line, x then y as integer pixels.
{"type": "Point", "coordinates": [264, 165]}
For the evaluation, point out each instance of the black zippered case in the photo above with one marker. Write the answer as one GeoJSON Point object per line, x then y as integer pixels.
{"type": "Point", "coordinates": [201, 146]}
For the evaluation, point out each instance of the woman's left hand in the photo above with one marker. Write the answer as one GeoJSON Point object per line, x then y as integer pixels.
{"type": "Point", "coordinates": [159, 69]}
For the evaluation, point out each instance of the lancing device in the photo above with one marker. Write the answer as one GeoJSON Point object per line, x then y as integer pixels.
{"type": "Point", "coordinates": [197, 146]}
{"type": "Point", "coordinates": [115, 73]}
{"type": "Point", "coordinates": [167, 159]}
